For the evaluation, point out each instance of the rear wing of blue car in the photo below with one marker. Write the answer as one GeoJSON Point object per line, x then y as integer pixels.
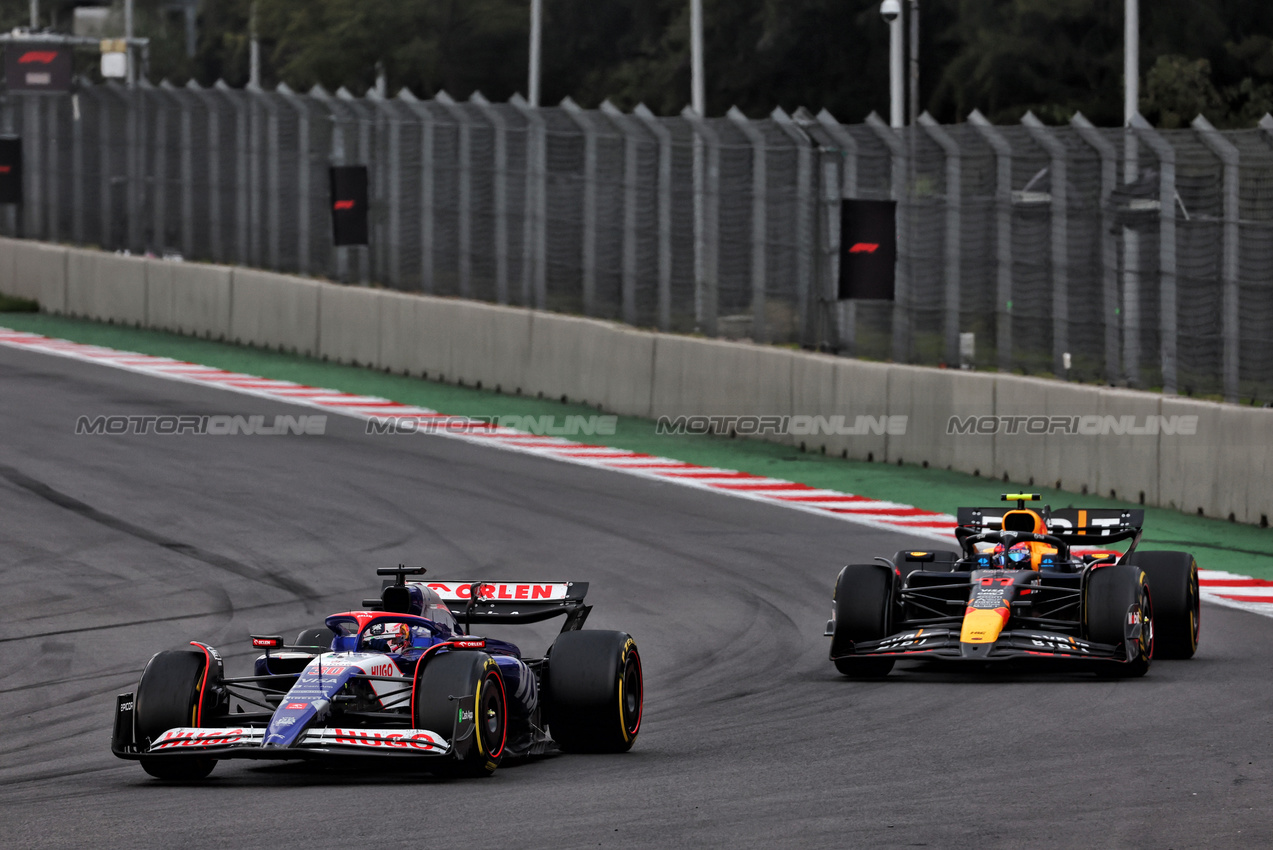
{"type": "Point", "coordinates": [490, 602]}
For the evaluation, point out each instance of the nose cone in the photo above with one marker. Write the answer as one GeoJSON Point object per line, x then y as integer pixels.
{"type": "Point", "coordinates": [983, 625]}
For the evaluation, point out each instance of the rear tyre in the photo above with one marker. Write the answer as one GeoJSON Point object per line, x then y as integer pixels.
{"type": "Point", "coordinates": [863, 611]}
{"type": "Point", "coordinates": [595, 691]}
{"type": "Point", "coordinates": [1173, 578]}
{"type": "Point", "coordinates": [442, 685]}
{"type": "Point", "coordinates": [168, 696]}
{"type": "Point", "coordinates": [1111, 594]}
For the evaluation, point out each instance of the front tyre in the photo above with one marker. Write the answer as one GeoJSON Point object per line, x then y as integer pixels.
{"type": "Point", "coordinates": [1173, 578]}
{"type": "Point", "coordinates": [863, 603]}
{"type": "Point", "coordinates": [168, 697]}
{"type": "Point", "coordinates": [445, 687]}
{"type": "Point", "coordinates": [1119, 610]}
{"type": "Point", "coordinates": [595, 691]}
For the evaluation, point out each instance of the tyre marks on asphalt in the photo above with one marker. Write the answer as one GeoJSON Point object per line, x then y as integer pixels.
{"type": "Point", "coordinates": [1255, 595]}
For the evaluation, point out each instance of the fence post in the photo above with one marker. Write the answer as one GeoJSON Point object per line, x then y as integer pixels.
{"type": "Point", "coordinates": [759, 221]}
{"type": "Point", "coordinates": [392, 247]}
{"type": "Point", "coordinates": [214, 172]}
{"type": "Point", "coordinates": [535, 232]}
{"type": "Point", "coordinates": [77, 170]}
{"type": "Point", "coordinates": [335, 156]}
{"type": "Point", "coordinates": [829, 160]}
{"type": "Point", "coordinates": [1060, 239]}
{"type": "Point", "coordinates": [589, 248]}
{"type": "Point", "coordinates": [901, 288]}
{"type": "Point", "coordinates": [499, 189]}
{"type": "Point", "coordinates": [184, 166]}
{"type": "Point", "coordinates": [243, 208]}
{"type": "Point", "coordinates": [362, 154]}
{"type": "Point", "coordinates": [159, 203]}
{"type": "Point", "coordinates": [1003, 236]}
{"type": "Point", "coordinates": [846, 310]}
{"type": "Point", "coordinates": [951, 243]}
{"type": "Point", "coordinates": [426, 186]}
{"type": "Point", "coordinates": [806, 298]}
{"type": "Point", "coordinates": [1166, 246]}
{"type": "Point", "coordinates": [33, 153]}
{"type": "Point", "coordinates": [631, 151]}
{"type": "Point", "coordinates": [54, 168]}
{"type": "Point", "coordinates": [1231, 328]}
{"type": "Point", "coordinates": [303, 211]}
{"type": "Point", "coordinates": [664, 137]}
{"type": "Point", "coordinates": [706, 221]}
{"type": "Point", "coordinates": [1109, 246]}
{"type": "Point", "coordinates": [134, 139]}
{"type": "Point", "coordinates": [465, 208]}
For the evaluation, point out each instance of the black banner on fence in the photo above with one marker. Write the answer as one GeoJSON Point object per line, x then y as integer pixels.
{"type": "Point", "coordinates": [349, 204]}
{"type": "Point", "coordinates": [868, 249]}
{"type": "Point", "coordinates": [10, 170]}
{"type": "Point", "coordinates": [37, 67]}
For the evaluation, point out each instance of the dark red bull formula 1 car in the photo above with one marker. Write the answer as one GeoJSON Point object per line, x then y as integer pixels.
{"type": "Point", "coordinates": [1026, 585]}
{"type": "Point", "coordinates": [403, 677]}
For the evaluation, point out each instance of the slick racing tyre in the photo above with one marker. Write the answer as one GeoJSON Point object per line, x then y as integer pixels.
{"type": "Point", "coordinates": [168, 697]}
{"type": "Point", "coordinates": [460, 696]}
{"type": "Point", "coordinates": [1113, 593]}
{"type": "Point", "coordinates": [1173, 579]}
{"type": "Point", "coordinates": [863, 611]}
{"type": "Point", "coordinates": [316, 638]}
{"type": "Point", "coordinates": [595, 692]}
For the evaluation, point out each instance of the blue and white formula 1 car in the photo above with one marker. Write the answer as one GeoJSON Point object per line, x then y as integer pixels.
{"type": "Point", "coordinates": [401, 678]}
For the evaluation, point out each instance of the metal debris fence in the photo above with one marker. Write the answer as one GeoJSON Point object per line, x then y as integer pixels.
{"type": "Point", "coordinates": [1135, 256]}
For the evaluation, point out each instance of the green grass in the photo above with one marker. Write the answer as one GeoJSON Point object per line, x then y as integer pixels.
{"type": "Point", "coordinates": [1216, 543]}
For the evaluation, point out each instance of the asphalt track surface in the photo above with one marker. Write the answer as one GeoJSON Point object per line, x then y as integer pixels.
{"type": "Point", "coordinates": [112, 548]}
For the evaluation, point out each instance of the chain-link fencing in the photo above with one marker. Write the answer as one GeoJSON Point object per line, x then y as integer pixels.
{"type": "Point", "coordinates": [1125, 256]}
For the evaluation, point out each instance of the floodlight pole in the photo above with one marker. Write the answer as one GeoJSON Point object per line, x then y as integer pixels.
{"type": "Point", "coordinates": [1131, 171]}
{"type": "Point", "coordinates": [254, 49]}
{"type": "Point", "coordinates": [914, 22]}
{"type": "Point", "coordinates": [698, 90]}
{"type": "Point", "coordinates": [897, 83]}
{"type": "Point", "coordinates": [128, 41]}
{"type": "Point", "coordinates": [536, 40]}
{"type": "Point", "coordinates": [1131, 62]}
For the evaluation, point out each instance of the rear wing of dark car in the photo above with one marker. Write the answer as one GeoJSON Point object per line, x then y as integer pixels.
{"type": "Point", "coordinates": [1075, 526]}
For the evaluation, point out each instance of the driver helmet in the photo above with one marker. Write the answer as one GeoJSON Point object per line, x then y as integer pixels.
{"type": "Point", "coordinates": [399, 637]}
{"type": "Point", "coordinates": [1015, 557]}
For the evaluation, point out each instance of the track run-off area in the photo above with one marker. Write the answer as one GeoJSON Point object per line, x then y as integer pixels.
{"type": "Point", "coordinates": [115, 546]}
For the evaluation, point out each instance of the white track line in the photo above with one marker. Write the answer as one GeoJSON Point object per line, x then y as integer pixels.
{"type": "Point", "coordinates": [1222, 588]}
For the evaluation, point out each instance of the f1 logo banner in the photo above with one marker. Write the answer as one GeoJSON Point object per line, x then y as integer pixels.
{"type": "Point", "coordinates": [37, 67]}
{"type": "Point", "coordinates": [349, 204]}
{"type": "Point", "coordinates": [10, 170]}
{"type": "Point", "coordinates": [868, 249]}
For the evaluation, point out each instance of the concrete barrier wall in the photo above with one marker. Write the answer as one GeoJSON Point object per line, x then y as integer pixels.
{"type": "Point", "coordinates": [106, 287]}
{"type": "Point", "coordinates": [188, 298]}
{"type": "Point", "coordinates": [274, 311]}
{"type": "Point", "coordinates": [1130, 445]}
{"type": "Point", "coordinates": [349, 324]}
{"type": "Point", "coordinates": [35, 271]}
